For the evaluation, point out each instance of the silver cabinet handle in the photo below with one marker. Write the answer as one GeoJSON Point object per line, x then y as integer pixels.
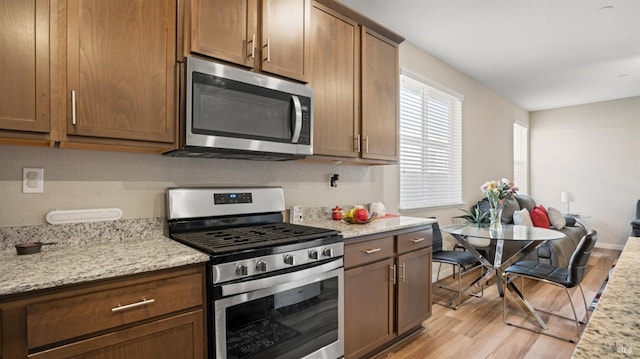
{"type": "Point", "coordinates": [393, 273]}
{"type": "Point", "coordinates": [417, 240]}
{"type": "Point", "coordinates": [372, 250]}
{"type": "Point", "coordinates": [298, 126]}
{"type": "Point", "coordinates": [73, 107]}
{"type": "Point", "coordinates": [268, 51]}
{"type": "Point", "coordinates": [253, 46]}
{"type": "Point", "coordinates": [356, 144]}
{"type": "Point", "coordinates": [144, 302]}
{"type": "Point", "coordinates": [402, 272]}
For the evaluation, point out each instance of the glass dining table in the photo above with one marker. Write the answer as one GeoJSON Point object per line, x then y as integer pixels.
{"type": "Point", "coordinates": [524, 239]}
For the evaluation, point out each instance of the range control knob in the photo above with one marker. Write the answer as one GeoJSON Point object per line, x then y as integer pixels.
{"type": "Point", "coordinates": [241, 269]}
{"type": "Point", "coordinates": [289, 259]}
{"type": "Point", "coordinates": [327, 252]}
{"type": "Point", "coordinates": [313, 254]}
{"type": "Point", "coordinates": [261, 266]}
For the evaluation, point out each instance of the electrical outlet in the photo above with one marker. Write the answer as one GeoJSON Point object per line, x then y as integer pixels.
{"type": "Point", "coordinates": [32, 180]}
{"type": "Point", "coordinates": [296, 214]}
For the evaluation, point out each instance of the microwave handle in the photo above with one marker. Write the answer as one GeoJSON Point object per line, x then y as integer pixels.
{"type": "Point", "coordinates": [298, 125]}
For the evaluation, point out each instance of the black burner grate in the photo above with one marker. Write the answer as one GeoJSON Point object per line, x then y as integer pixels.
{"type": "Point", "coordinates": [242, 238]}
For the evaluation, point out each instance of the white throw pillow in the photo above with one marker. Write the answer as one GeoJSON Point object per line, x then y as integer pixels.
{"type": "Point", "coordinates": [522, 218]}
{"type": "Point", "coordinates": [556, 218]}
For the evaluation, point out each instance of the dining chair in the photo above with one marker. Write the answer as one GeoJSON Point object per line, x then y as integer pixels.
{"type": "Point", "coordinates": [462, 262]}
{"type": "Point", "coordinates": [566, 278]}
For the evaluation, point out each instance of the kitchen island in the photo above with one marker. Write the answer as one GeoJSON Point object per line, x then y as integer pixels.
{"type": "Point", "coordinates": [613, 331]}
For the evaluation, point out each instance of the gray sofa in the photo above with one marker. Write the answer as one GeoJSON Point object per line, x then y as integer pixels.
{"type": "Point", "coordinates": [635, 224]}
{"type": "Point", "coordinates": [555, 252]}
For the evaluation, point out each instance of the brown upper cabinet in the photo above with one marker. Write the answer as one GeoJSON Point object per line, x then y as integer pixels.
{"type": "Point", "coordinates": [380, 97]}
{"type": "Point", "coordinates": [24, 71]}
{"type": "Point", "coordinates": [335, 55]}
{"type": "Point", "coordinates": [265, 35]}
{"type": "Point", "coordinates": [354, 73]}
{"type": "Point", "coordinates": [121, 72]}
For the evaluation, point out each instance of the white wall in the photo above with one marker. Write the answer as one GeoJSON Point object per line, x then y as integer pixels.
{"type": "Point", "coordinates": [591, 150]}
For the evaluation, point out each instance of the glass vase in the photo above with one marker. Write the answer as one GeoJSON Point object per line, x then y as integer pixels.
{"type": "Point", "coordinates": [495, 218]}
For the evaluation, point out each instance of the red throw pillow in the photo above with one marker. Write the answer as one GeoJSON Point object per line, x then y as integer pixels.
{"type": "Point", "coordinates": [544, 210]}
{"type": "Point", "coordinates": [539, 217]}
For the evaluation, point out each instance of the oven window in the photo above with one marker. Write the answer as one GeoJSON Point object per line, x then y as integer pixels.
{"type": "Point", "coordinates": [288, 324]}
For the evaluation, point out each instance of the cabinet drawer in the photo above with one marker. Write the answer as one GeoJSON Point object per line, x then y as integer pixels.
{"type": "Point", "coordinates": [72, 316]}
{"type": "Point", "coordinates": [368, 251]}
{"type": "Point", "coordinates": [414, 240]}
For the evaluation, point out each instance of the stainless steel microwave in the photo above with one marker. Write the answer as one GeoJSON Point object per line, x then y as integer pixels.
{"type": "Point", "coordinates": [234, 113]}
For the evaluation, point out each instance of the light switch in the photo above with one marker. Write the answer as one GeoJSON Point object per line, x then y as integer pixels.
{"type": "Point", "coordinates": [32, 180]}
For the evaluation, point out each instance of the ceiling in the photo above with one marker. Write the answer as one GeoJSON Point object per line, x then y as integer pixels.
{"type": "Point", "coordinates": [539, 54]}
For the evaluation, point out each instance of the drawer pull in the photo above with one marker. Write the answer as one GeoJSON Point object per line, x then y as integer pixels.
{"type": "Point", "coordinates": [120, 308]}
{"type": "Point", "coordinates": [417, 240]}
{"type": "Point", "coordinates": [372, 250]}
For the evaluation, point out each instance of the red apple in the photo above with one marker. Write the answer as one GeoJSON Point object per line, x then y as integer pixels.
{"type": "Point", "coordinates": [361, 215]}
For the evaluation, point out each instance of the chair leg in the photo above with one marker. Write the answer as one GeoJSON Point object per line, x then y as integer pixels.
{"type": "Point", "coordinates": [541, 330]}
{"type": "Point", "coordinates": [584, 301]}
{"type": "Point", "coordinates": [459, 286]}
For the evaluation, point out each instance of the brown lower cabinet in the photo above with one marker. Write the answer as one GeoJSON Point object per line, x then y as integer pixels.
{"type": "Point", "coordinates": [387, 289]}
{"type": "Point", "coordinates": [153, 315]}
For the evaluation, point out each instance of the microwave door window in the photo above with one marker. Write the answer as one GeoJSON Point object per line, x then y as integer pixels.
{"type": "Point", "coordinates": [229, 112]}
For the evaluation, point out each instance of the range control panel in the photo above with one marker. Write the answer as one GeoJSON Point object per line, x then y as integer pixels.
{"type": "Point", "coordinates": [232, 198]}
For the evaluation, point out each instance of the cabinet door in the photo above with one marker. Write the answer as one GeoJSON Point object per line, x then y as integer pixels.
{"type": "Point", "coordinates": [335, 79]}
{"type": "Point", "coordinates": [121, 69]}
{"type": "Point", "coordinates": [414, 289]}
{"type": "Point", "coordinates": [285, 38]}
{"type": "Point", "coordinates": [225, 29]}
{"type": "Point", "coordinates": [369, 303]}
{"type": "Point", "coordinates": [379, 97]}
{"type": "Point", "coordinates": [24, 65]}
{"type": "Point", "coordinates": [181, 336]}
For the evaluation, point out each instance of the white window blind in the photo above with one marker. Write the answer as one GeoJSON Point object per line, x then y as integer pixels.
{"type": "Point", "coordinates": [430, 146]}
{"type": "Point", "coordinates": [521, 157]}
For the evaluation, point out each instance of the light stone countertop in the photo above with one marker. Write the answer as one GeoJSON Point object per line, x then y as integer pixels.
{"type": "Point", "coordinates": [92, 251]}
{"type": "Point", "coordinates": [88, 252]}
{"type": "Point", "coordinates": [382, 225]}
{"type": "Point", "coordinates": [614, 328]}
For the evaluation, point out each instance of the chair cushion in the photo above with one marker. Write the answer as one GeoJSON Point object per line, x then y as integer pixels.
{"type": "Point", "coordinates": [462, 259]}
{"type": "Point", "coordinates": [539, 217]}
{"type": "Point", "coordinates": [541, 271]}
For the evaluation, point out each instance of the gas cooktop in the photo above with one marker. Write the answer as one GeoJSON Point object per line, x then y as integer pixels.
{"type": "Point", "coordinates": [228, 240]}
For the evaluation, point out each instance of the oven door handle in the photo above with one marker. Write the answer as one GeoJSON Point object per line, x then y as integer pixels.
{"type": "Point", "coordinates": [253, 285]}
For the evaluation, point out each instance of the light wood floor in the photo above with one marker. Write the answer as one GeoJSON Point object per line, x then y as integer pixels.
{"type": "Point", "coordinates": [476, 330]}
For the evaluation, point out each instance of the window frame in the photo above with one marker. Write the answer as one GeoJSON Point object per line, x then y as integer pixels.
{"type": "Point", "coordinates": [521, 157]}
{"type": "Point", "coordinates": [435, 164]}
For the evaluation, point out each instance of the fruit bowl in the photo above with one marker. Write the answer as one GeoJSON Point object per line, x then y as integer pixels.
{"type": "Point", "coordinates": [352, 220]}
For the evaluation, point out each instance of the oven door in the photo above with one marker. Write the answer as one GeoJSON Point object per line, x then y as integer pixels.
{"type": "Point", "coordinates": [293, 315]}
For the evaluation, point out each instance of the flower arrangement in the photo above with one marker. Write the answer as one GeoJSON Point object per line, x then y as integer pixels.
{"type": "Point", "coordinates": [497, 193]}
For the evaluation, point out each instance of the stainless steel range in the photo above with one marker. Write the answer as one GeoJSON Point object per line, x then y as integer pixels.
{"type": "Point", "coordinates": [275, 290]}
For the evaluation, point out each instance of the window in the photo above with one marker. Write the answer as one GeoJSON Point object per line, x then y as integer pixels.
{"type": "Point", "coordinates": [521, 157]}
{"type": "Point", "coordinates": [430, 145]}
